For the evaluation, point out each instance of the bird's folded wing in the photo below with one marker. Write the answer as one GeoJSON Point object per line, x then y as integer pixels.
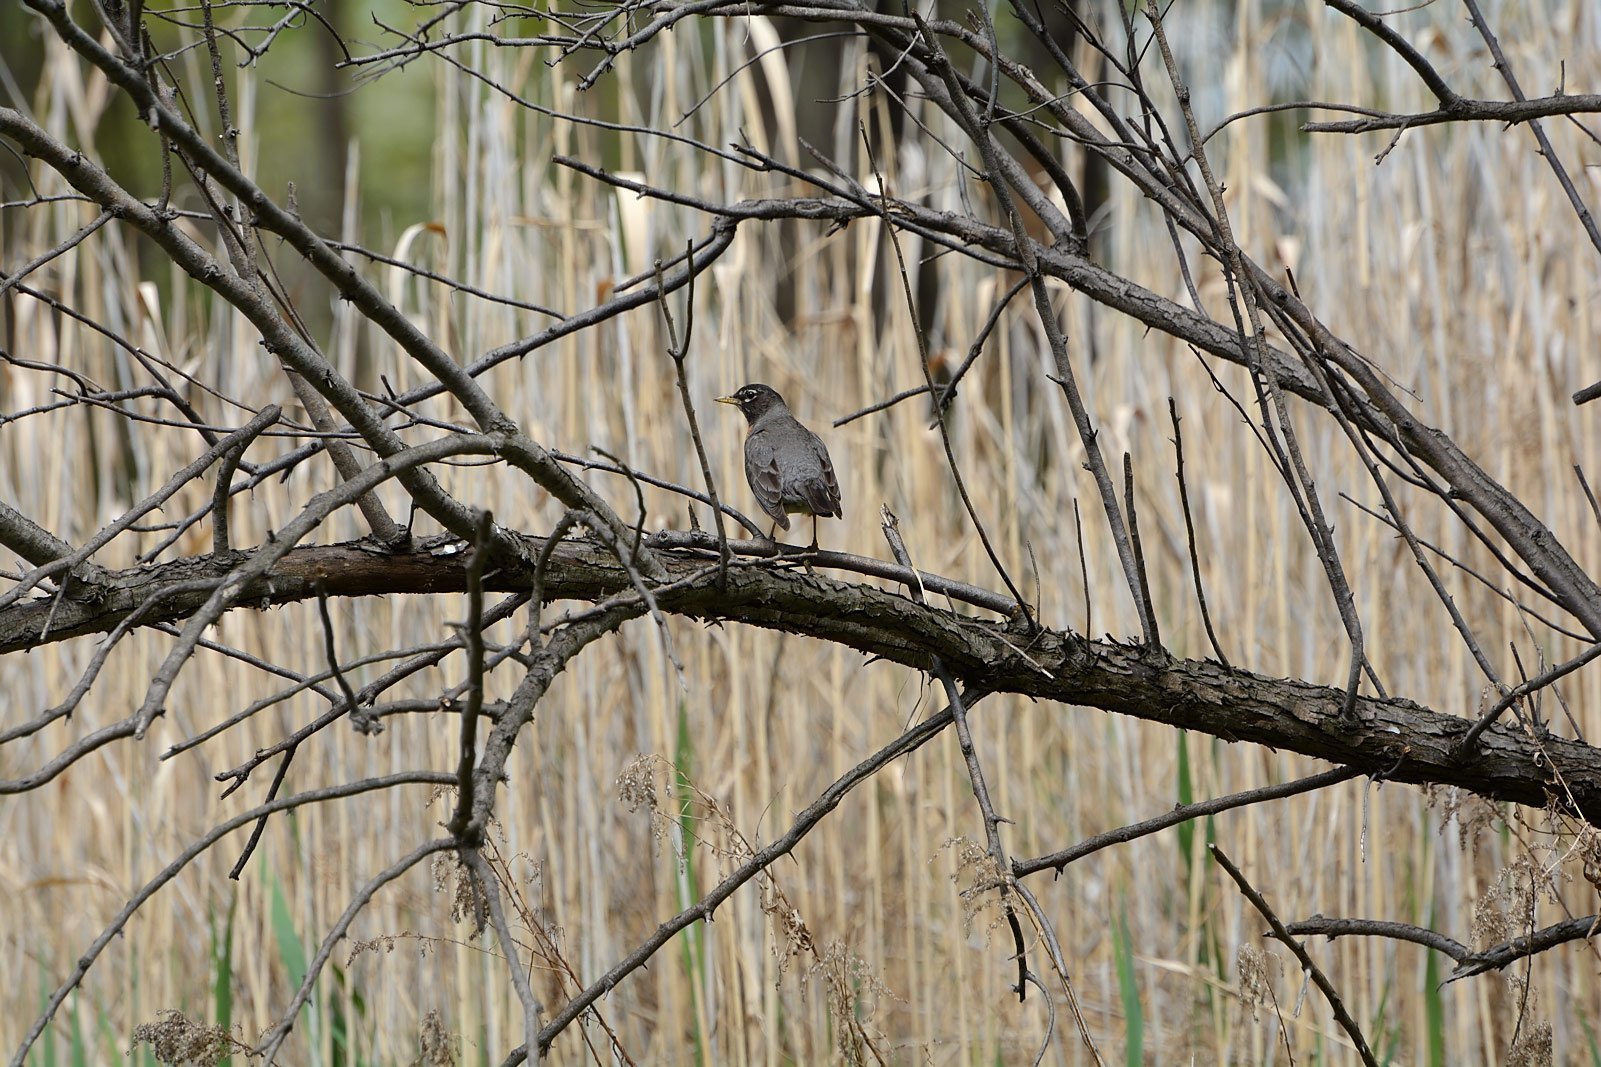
{"type": "Point", "coordinates": [822, 493]}
{"type": "Point", "coordinates": [761, 471]}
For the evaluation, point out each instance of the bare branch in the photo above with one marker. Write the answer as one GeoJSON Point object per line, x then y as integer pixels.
{"type": "Point", "coordinates": [1320, 979]}
{"type": "Point", "coordinates": [532, 1008]}
{"type": "Point", "coordinates": [1469, 962]}
{"type": "Point", "coordinates": [1182, 813]}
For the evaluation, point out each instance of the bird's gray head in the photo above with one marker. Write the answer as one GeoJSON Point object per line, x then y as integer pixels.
{"type": "Point", "coordinates": [755, 400]}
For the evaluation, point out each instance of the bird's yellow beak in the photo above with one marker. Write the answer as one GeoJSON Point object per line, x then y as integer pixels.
{"type": "Point", "coordinates": [726, 400]}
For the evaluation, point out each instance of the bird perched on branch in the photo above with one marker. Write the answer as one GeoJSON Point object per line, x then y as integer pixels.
{"type": "Point", "coordinates": [786, 464]}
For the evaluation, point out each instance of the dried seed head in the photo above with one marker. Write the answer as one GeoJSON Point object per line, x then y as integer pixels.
{"type": "Point", "coordinates": [1253, 968]}
{"type": "Point", "coordinates": [636, 785]}
{"type": "Point", "coordinates": [176, 1038]}
{"type": "Point", "coordinates": [436, 1046]}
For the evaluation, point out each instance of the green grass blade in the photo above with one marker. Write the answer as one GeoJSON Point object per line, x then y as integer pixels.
{"type": "Point", "coordinates": [292, 953]}
{"type": "Point", "coordinates": [693, 937]}
{"type": "Point", "coordinates": [80, 1048]}
{"type": "Point", "coordinates": [1434, 1007]}
{"type": "Point", "coordinates": [222, 969]}
{"type": "Point", "coordinates": [1128, 987]}
{"type": "Point", "coordinates": [1186, 795]}
{"type": "Point", "coordinates": [290, 949]}
{"type": "Point", "coordinates": [46, 1045]}
{"type": "Point", "coordinates": [1590, 1040]}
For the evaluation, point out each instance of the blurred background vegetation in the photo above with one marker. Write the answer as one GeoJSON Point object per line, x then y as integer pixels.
{"type": "Point", "coordinates": [309, 118]}
{"type": "Point", "coordinates": [1453, 264]}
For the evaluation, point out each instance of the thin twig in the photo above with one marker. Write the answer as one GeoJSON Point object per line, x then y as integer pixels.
{"type": "Point", "coordinates": [1189, 532]}
{"type": "Point", "coordinates": [220, 495]}
{"type": "Point", "coordinates": [1469, 962]}
{"type": "Point", "coordinates": [1065, 378]}
{"type": "Point", "coordinates": [1371, 22]}
{"type": "Point", "coordinates": [1148, 605]}
{"type": "Point", "coordinates": [678, 350]}
{"type": "Point", "coordinates": [83, 234]}
{"type": "Point", "coordinates": [1053, 948]}
{"type": "Point", "coordinates": [1320, 979]}
{"type": "Point", "coordinates": [532, 1008]}
{"type": "Point", "coordinates": [1589, 494]}
{"type": "Point", "coordinates": [1059, 861]}
{"type": "Point", "coordinates": [472, 637]}
{"type": "Point", "coordinates": [945, 393]}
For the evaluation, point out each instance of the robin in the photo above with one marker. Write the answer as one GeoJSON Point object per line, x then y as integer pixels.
{"type": "Point", "coordinates": [786, 464]}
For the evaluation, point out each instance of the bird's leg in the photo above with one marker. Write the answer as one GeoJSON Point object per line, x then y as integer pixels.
{"type": "Point", "coordinates": [811, 553]}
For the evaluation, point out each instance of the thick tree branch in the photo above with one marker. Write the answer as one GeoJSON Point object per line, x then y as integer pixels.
{"type": "Point", "coordinates": [1395, 739]}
